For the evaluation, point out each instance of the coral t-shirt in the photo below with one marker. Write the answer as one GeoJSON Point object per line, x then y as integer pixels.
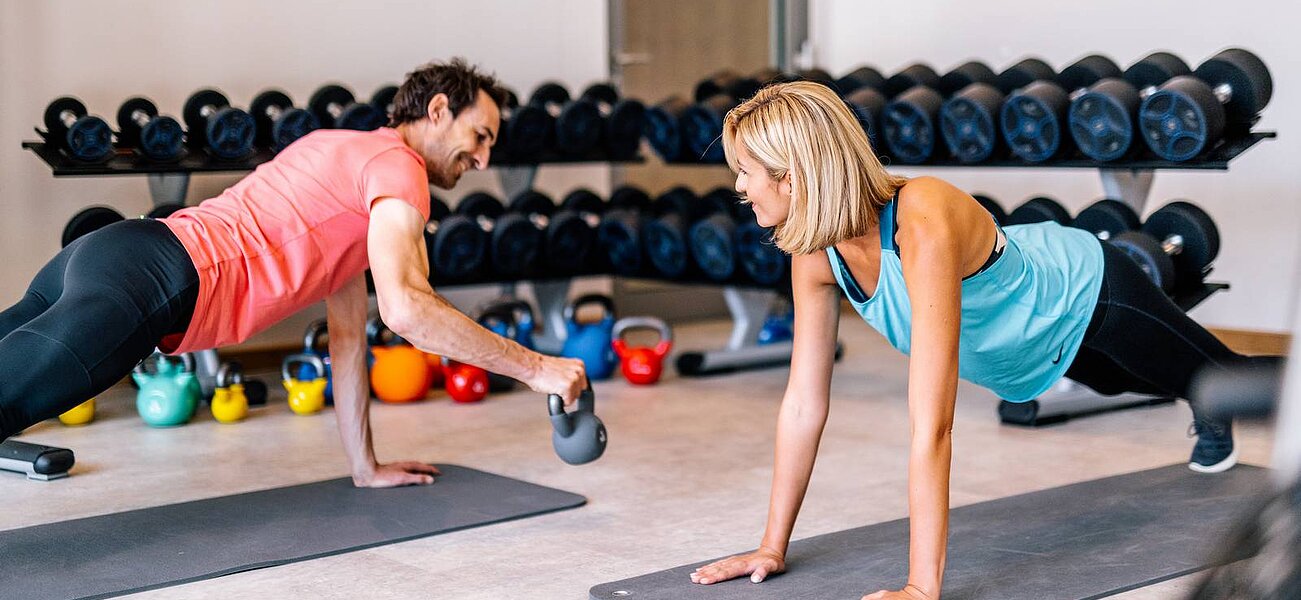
{"type": "Point", "coordinates": [292, 232]}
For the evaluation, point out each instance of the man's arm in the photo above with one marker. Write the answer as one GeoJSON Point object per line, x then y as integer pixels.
{"type": "Point", "coordinates": [411, 308]}
{"type": "Point", "coordinates": [346, 318]}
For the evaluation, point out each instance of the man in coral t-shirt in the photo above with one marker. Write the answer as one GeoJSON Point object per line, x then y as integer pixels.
{"type": "Point", "coordinates": [301, 228]}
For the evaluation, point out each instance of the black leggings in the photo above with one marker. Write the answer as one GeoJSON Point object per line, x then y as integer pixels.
{"type": "Point", "coordinates": [1138, 339]}
{"type": "Point", "coordinates": [100, 306]}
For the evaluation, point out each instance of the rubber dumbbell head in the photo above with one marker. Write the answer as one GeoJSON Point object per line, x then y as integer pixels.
{"type": "Point", "coordinates": [992, 207]}
{"type": "Point", "coordinates": [1107, 218]}
{"type": "Point", "coordinates": [88, 220]}
{"type": "Point", "coordinates": [868, 104]}
{"type": "Point", "coordinates": [84, 137]}
{"type": "Point", "coordinates": [910, 77]}
{"type": "Point", "coordinates": [1038, 210]}
{"type": "Point", "coordinates": [1188, 114]}
{"type": "Point", "coordinates": [140, 126]}
{"type": "Point", "coordinates": [663, 129]}
{"type": "Point", "coordinates": [1023, 73]}
{"type": "Point", "coordinates": [909, 124]}
{"type": "Point", "coordinates": [964, 75]}
{"type": "Point", "coordinates": [227, 133]}
{"type": "Point", "coordinates": [336, 108]}
{"type": "Point", "coordinates": [1102, 119]}
{"type": "Point", "coordinates": [702, 127]}
{"type": "Point", "coordinates": [278, 122]}
{"type": "Point", "coordinates": [859, 78]}
{"type": "Point", "coordinates": [969, 123]}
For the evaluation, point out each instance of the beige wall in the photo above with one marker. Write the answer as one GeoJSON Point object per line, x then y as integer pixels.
{"type": "Point", "coordinates": [104, 52]}
{"type": "Point", "coordinates": [1257, 203]}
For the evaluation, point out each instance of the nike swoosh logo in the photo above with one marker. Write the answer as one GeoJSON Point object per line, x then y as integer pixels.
{"type": "Point", "coordinates": [1059, 355]}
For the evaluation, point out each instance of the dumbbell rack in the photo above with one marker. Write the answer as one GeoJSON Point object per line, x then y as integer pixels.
{"type": "Point", "coordinates": [1129, 181]}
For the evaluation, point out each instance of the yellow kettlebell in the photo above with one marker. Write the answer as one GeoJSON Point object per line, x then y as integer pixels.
{"type": "Point", "coordinates": [80, 414]}
{"type": "Point", "coordinates": [229, 404]}
{"type": "Point", "coordinates": [306, 396]}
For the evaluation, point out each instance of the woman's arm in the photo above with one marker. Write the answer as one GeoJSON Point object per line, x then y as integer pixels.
{"type": "Point", "coordinates": [800, 422]}
{"type": "Point", "coordinates": [930, 234]}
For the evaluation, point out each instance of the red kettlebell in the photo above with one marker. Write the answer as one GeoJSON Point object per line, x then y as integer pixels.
{"type": "Point", "coordinates": [465, 383]}
{"type": "Point", "coordinates": [642, 365]}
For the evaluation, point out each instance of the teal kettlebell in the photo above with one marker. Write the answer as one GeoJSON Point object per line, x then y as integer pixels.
{"type": "Point", "coordinates": [590, 342]}
{"type": "Point", "coordinates": [170, 393]}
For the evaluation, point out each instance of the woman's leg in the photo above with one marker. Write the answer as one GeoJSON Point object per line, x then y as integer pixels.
{"type": "Point", "coordinates": [1140, 341]}
{"type": "Point", "coordinates": [124, 288]}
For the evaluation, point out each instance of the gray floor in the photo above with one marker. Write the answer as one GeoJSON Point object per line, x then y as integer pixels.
{"type": "Point", "coordinates": [686, 475]}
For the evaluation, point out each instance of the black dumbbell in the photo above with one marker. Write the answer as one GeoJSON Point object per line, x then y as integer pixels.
{"type": "Point", "coordinates": [1025, 72]}
{"type": "Point", "coordinates": [227, 133]}
{"type": "Point", "coordinates": [1107, 218]}
{"type": "Point", "coordinates": [575, 124]}
{"type": "Point", "coordinates": [71, 128]}
{"type": "Point", "coordinates": [911, 121]}
{"type": "Point", "coordinates": [667, 240]}
{"type": "Point", "coordinates": [969, 123]}
{"type": "Point", "coordinates": [382, 99]}
{"type": "Point", "coordinates": [88, 220]}
{"type": "Point", "coordinates": [702, 128]}
{"type": "Point", "coordinates": [758, 256]}
{"type": "Point", "coordinates": [867, 104]}
{"type": "Point", "coordinates": [992, 207]}
{"type": "Point", "coordinates": [623, 120]}
{"type": "Point", "coordinates": [278, 122]}
{"type": "Point", "coordinates": [663, 129]}
{"type": "Point", "coordinates": [726, 82]}
{"type": "Point", "coordinates": [910, 77]}
{"type": "Point", "coordinates": [1034, 117]}
{"type": "Point", "coordinates": [162, 211]}
{"type": "Point", "coordinates": [1038, 210]}
{"type": "Point", "coordinates": [524, 131]}
{"type": "Point", "coordinates": [859, 78]}
{"type": "Point", "coordinates": [817, 75]}
{"type": "Point", "coordinates": [1190, 113]}
{"type": "Point", "coordinates": [713, 238]}
{"type": "Point", "coordinates": [1102, 118]}
{"type": "Point", "coordinates": [514, 241]}
{"type": "Point", "coordinates": [456, 244]}
{"type": "Point", "coordinates": [567, 237]}
{"type": "Point", "coordinates": [336, 108]}
{"type": "Point", "coordinates": [140, 126]}
{"type": "Point", "coordinates": [619, 232]}
{"type": "Point", "coordinates": [1175, 247]}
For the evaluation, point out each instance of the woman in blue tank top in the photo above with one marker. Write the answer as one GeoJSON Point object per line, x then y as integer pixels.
{"type": "Point", "coordinates": [1012, 309]}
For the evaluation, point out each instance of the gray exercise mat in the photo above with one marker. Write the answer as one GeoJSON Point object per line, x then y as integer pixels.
{"type": "Point", "coordinates": [156, 547]}
{"type": "Point", "coordinates": [1086, 540]}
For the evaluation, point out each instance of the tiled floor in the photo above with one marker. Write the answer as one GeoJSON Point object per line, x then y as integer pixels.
{"type": "Point", "coordinates": [685, 477]}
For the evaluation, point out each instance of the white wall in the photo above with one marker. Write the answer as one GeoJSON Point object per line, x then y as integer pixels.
{"type": "Point", "coordinates": [1257, 203]}
{"type": "Point", "coordinates": [104, 52]}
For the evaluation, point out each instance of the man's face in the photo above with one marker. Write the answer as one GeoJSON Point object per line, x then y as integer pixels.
{"type": "Point", "coordinates": [453, 145]}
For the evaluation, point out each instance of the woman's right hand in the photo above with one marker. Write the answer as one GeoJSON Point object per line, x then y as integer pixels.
{"type": "Point", "coordinates": [758, 565]}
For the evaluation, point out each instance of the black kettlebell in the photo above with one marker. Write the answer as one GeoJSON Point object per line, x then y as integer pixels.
{"type": "Point", "coordinates": [579, 437]}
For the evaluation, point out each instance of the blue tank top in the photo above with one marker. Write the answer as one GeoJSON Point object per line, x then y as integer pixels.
{"type": "Point", "coordinates": [1023, 316]}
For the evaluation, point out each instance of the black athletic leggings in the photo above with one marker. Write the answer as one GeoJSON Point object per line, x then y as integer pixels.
{"type": "Point", "coordinates": [1138, 339]}
{"type": "Point", "coordinates": [99, 307]}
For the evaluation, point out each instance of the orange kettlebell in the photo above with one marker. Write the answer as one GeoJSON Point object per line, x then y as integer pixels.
{"type": "Point", "coordinates": [400, 372]}
{"type": "Point", "coordinates": [465, 383]}
{"type": "Point", "coordinates": [642, 365]}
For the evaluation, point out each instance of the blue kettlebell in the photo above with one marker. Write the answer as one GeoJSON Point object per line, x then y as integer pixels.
{"type": "Point", "coordinates": [591, 341]}
{"type": "Point", "coordinates": [170, 393]}
{"type": "Point", "coordinates": [312, 345]}
{"type": "Point", "coordinates": [518, 313]}
{"type": "Point", "coordinates": [499, 318]}
{"type": "Point", "coordinates": [778, 327]}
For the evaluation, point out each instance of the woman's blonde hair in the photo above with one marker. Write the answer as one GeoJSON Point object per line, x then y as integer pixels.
{"type": "Point", "coordinates": [838, 186]}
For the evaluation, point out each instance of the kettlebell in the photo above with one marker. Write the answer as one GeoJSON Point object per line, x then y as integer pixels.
{"type": "Point", "coordinates": [400, 373]}
{"type": "Point", "coordinates": [579, 437]}
{"type": "Point", "coordinates": [465, 383]}
{"type": "Point", "coordinates": [169, 395]}
{"type": "Point", "coordinates": [591, 341]}
{"type": "Point", "coordinates": [522, 315]}
{"type": "Point", "coordinates": [306, 395]}
{"type": "Point", "coordinates": [500, 319]}
{"type": "Point", "coordinates": [312, 345]}
{"type": "Point", "coordinates": [229, 402]}
{"type": "Point", "coordinates": [642, 365]}
{"type": "Point", "coordinates": [779, 326]}
{"type": "Point", "coordinates": [80, 414]}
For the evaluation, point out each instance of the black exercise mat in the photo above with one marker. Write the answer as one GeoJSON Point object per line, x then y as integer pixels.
{"type": "Point", "coordinates": [1086, 540]}
{"type": "Point", "coordinates": [156, 547]}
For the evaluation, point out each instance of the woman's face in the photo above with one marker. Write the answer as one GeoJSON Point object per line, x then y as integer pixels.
{"type": "Point", "coordinates": [771, 198]}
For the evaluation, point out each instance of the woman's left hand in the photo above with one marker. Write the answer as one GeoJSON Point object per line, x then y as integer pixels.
{"type": "Point", "coordinates": [909, 592]}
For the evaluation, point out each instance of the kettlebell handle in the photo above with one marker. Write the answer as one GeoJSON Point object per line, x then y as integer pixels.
{"type": "Point", "coordinates": [606, 302]}
{"type": "Point", "coordinates": [375, 330]}
{"type": "Point", "coordinates": [286, 371]}
{"type": "Point", "coordinates": [230, 373]}
{"type": "Point", "coordinates": [501, 314]}
{"type": "Point", "coordinates": [629, 323]}
{"type": "Point", "coordinates": [586, 402]}
{"type": "Point", "coordinates": [313, 335]}
{"type": "Point", "coordinates": [187, 362]}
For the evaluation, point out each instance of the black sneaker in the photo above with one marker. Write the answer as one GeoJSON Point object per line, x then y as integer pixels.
{"type": "Point", "coordinates": [1214, 451]}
